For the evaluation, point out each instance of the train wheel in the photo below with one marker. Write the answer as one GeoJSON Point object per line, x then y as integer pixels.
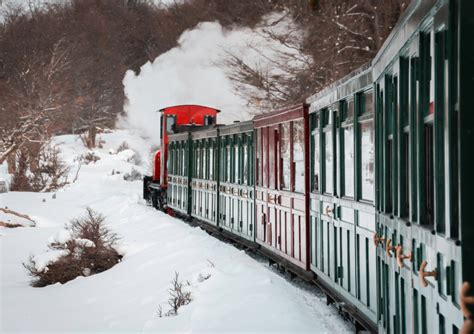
{"type": "Point", "coordinates": [155, 200]}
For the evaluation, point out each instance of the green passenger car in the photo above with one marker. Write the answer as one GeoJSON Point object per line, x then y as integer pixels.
{"type": "Point", "coordinates": [179, 176]}
{"type": "Point", "coordinates": [418, 158]}
{"type": "Point", "coordinates": [392, 176]}
{"type": "Point", "coordinates": [204, 194]}
{"type": "Point", "coordinates": [236, 179]}
{"type": "Point", "coordinates": [342, 212]}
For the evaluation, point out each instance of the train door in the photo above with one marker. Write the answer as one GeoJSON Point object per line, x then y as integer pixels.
{"type": "Point", "coordinates": [329, 230]}
{"type": "Point", "coordinates": [272, 199]}
{"type": "Point", "coordinates": [228, 189]}
{"type": "Point", "coordinates": [316, 234]}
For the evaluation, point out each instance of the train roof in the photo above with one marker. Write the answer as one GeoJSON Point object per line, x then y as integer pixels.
{"type": "Point", "coordinates": [189, 105]}
{"type": "Point", "coordinates": [280, 115]}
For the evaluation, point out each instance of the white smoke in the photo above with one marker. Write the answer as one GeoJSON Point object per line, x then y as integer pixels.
{"type": "Point", "coordinates": [192, 73]}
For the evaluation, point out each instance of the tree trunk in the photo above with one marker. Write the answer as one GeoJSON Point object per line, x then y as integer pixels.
{"type": "Point", "coordinates": [92, 137]}
{"type": "Point", "coordinates": [11, 162]}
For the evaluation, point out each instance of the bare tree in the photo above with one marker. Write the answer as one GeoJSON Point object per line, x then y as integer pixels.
{"type": "Point", "coordinates": [323, 45]}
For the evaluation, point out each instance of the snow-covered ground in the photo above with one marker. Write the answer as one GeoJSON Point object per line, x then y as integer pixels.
{"type": "Point", "coordinates": [241, 294]}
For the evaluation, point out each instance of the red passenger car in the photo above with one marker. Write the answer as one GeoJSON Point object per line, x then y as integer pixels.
{"type": "Point", "coordinates": [282, 183]}
{"type": "Point", "coordinates": [173, 119]}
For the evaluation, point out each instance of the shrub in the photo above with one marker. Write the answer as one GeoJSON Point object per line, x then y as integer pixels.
{"type": "Point", "coordinates": [134, 175]}
{"type": "Point", "coordinates": [178, 297]}
{"type": "Point", "coordinates": [90, 156]}
{"type": "Point", "coordinates": [39, 168]}
{"type": "Point", "coordinates": [85, 248]}
{"type": "Point", "coordinates": [124, 146]}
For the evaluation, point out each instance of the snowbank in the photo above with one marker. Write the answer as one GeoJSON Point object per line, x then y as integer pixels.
{"type": "Point", "coordinates": [230, 290]}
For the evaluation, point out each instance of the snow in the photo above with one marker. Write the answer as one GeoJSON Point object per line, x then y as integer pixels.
{"type": "Point", "coordinates": [240, 294]}
{"type": "Point", "coordinates": [9, 218]}
{"type": "Point", "coordinates": [43, 260]}
{"type": "Point", "coordinates": [5, 178]}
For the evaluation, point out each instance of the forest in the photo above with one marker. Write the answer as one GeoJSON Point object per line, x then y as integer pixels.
{"type": "Point", "coordinates": [62, 64]}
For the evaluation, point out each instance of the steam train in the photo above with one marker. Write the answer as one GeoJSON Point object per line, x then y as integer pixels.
{"type": "Point", "coordinates": [365, 188]}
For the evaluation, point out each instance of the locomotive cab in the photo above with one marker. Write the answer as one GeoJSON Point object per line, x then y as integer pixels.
{"type": "Point", "coordinates": [172, 120]}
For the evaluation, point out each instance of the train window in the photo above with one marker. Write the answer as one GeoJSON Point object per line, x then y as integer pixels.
{"type": "Point", "coordinates": [315, 151]}
{"type": "Point", "coordinates": [258, 158]}
{"type": "Point", "coordinates": [197, 161]}
{"type": "Point", "coordinates": [175, 159]}
{"type": "Point", "coordinates": [328, 152]}
{"type": "Point", "coordinates": [441, 109]}
{"type": "Point", "coordinates": [413, 106]}
{"type": "Point", "coordinates": [328, 158]}
{"type": "Point", "coordinates": [170, 124]}
{"type": "Point", "coordinates": [265, 153]}
{"type": "Point", "coordinates": [228, 161]}
{"type": "Point", "coordinates": [211, 161]}
{"type": "Point", "coordinates": [202, 152]}
{"type": "Point", "coordinates": [404, 129]}
{"type": "Point", "coordinates": [428, 175]}
{"type": "Point", "coordinates": [208, 120]}
{"type": "Point", "coordinates": [170, 160]}
{"type": "Point", "coordinates": [184, 160]}
{"type": "Point", "coordinates": [236, 162]}
{"type": "Point", "coordinates": [453, 117]}
{"type": "Point", "coordinates": [161, 126]}
{"type": "Point", "coordinates": [298, 155]}
{"type": "Point", "coordinates": [415, 312]}
{"type": "Point", "coordinates": [273, 157]}
{"type": "Point", "coordinates": [347, 156]}
{"type": "Point", "coordinates": [424, 324]}
{"type": "Point", "coordinates": [390, 140]}
{"type": "Point", "coordinates": [245, 163]}
{"type": "Point", "coordinates": [367, 137]}
{"type": "Point", "coordinates": [285, 156]}
{"type": "Point", "coordinates": [205, 161]}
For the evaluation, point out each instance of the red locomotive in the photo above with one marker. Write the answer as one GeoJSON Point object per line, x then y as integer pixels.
{"type": "Point", "coordinates": [173, 119]}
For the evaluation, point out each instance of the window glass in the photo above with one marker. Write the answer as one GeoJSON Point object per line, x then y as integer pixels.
{"type": "Point", "coordinates": [328, 188]}
{"type": "Point", "coordinates": [367, 160]}
{"type": "Point", "coordinates": [298, 155]}
{"type": "Point", "coordinates": [349, 161]}
{"type": "Point", "coordinates": [228, 163]}
{"type": "Point", "coordinates": [236, 162]}
{"type": "Point", "coordinates": [245, 164]}
{"type": "Point", "coordinates": [368, 103]}
{"type": "Point", "coordinates": [258, 158]}
{"type": "Point", "coordinates": [198, 163]}
{"type": "Point", "coordinates": [350, 109]}
{"type": "Point", "coordinates": [285, 156]}
{"type": "Point", "coordinates": [265, 152]}
{"type": "Point", "coordinates": [169, 164]}
{"type": "Point", "coordinates": [170, 124]}
{"type": "Point", "coordinates": [211, 161]}
{"type": "Point", "coordinates": [205, 161]}
{"type": "Point", "coordinates": [316, 160]}
{"type": "Point", "coordinates": [183, 161]}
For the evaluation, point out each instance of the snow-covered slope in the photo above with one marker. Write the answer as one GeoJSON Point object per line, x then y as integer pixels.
{"type": "Point", "coordinates": [241, 294]}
